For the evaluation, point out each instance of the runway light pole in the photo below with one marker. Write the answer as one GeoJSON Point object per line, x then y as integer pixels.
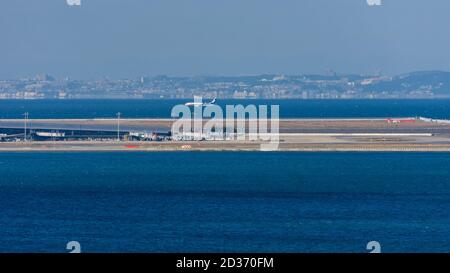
{"type": "Point", "coordinates": [118, 125]}
{"type": "Point", "coordinates": [25, 126]}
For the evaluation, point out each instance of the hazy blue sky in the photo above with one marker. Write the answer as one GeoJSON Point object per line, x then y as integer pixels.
{"type": "Point", "coordinates": [128, 38]}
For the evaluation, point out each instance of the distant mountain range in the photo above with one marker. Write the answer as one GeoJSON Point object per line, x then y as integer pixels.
{"type": "Point", "coordinates": [436, 81]}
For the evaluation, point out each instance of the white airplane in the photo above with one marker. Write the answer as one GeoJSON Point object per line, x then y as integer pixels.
{"type": "Point", "coordinates": [198, 104]}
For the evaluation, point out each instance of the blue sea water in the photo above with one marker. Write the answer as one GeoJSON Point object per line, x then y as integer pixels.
{"type": "Point", "coordinates": [439, 109]}
{"type": "Point", "coordinates": [225, 202]}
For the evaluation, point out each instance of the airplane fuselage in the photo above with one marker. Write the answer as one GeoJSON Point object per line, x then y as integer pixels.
{"type": "Point", "coordinates": [196, 104]}
{"type": "Point", "coordinates": [200, 104]}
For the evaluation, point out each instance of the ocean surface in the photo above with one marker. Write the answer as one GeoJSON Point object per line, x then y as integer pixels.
{"type": "Point", "coordinates": [439, 109]}
{"type": "Point", "coordinates": [225, 201]}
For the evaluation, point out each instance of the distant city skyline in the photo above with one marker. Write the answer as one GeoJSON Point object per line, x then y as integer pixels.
{"type": "Point", "coordinates": [328, 72]}
{"type": "Point", "coordinates": [425, 84]}
{"type": "Point", "coordinates": [200, 37]}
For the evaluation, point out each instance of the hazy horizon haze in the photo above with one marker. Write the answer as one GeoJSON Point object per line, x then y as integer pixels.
{"type": "Point", "coordinates": [234, 37]}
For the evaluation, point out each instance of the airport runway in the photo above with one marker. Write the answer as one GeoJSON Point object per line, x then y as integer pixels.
{"type": "Point", "coordinates": [295, 135]}
{"type": "Point", "coordinates": [285, 125]}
